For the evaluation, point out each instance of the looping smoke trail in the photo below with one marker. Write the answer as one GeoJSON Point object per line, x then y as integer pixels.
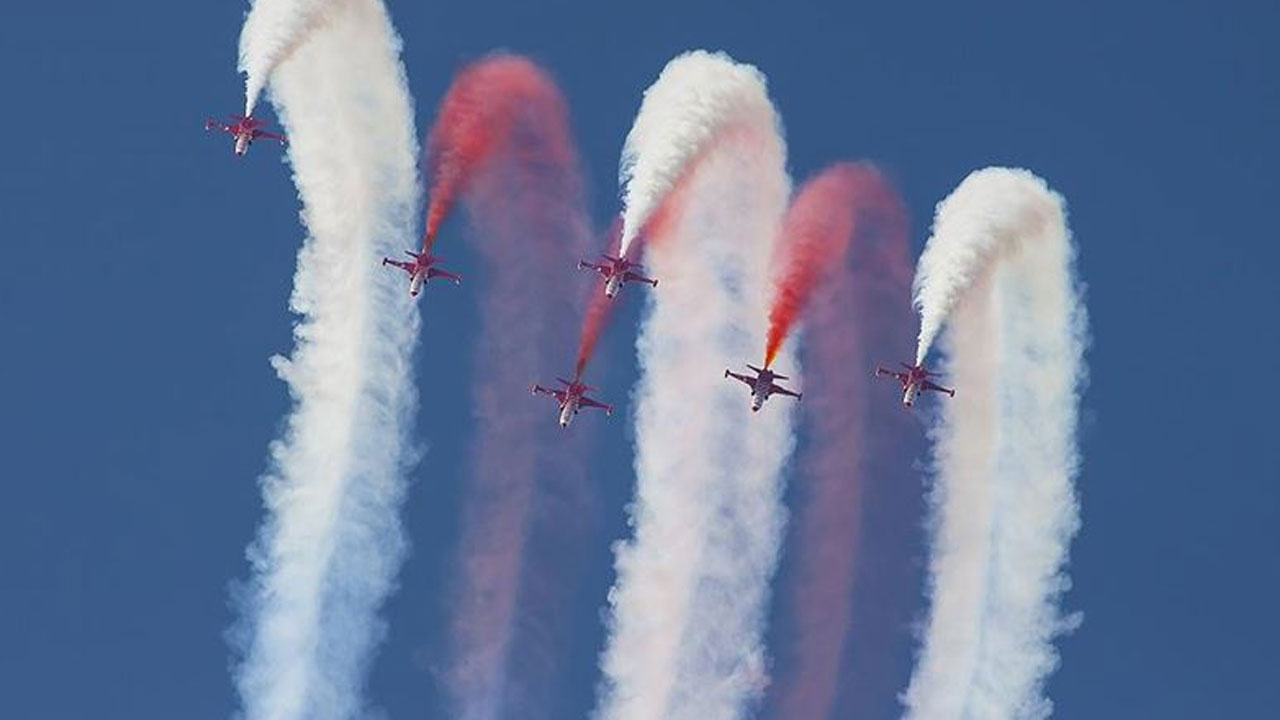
{"type": "Point", "coordinates": [272, 32]}
{"type": "Point", "coordinates": [524, 197]}
{"type": "Point", "coordinates": [681, 113]}
{"type": "Point", "coordinates": [599, 309]}
{"type": "Point", "coordinates": [815, 238]}
{"type": "Point", "coordinates": [331, 543]}
{"type": "Point", "coordinates": [998, 271]}
{"type": "Point", "coordinates": [687, 609]}
{"type": "Point", "coordinates": [857, 310]}
{"type": "Point", "coordinates": [980, 226]}
{"type": "Point", "coordinates": [476, 118]}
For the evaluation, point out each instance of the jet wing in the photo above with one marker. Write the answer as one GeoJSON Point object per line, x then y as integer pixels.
{"type": "Point", "coordinates": [637, 277]}
{"type": "Point", "coordinates": [435, 272]}
{"type": "Point", "coordinates": [588, 402]}
{"type": "Point", "coordinates": [749, 381]}
{"type": "Point", "coordinates": [783, 391]}
{"type": "Point", "coordinates": [268, 135]}
{"type": "Point", "coordinates": [557, 394]}
{"type": "Point", "coordinates": [927, 385]}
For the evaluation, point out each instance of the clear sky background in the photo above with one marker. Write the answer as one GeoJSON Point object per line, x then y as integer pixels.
{"type": "Point", "coordinates": [148, 270]}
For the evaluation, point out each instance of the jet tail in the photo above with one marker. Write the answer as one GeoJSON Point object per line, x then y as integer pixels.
{"type": "Point", "coordinates": [919, 367]}
{"type": "Point", "coordinates": [759, 371]}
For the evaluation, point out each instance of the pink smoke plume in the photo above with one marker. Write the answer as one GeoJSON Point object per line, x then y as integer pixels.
{"type": "Point", "coordinates": [599, 308]}
{"type": "Point", "coordinates": [815, 237]}
{"type": "Point", "coordinates": [475, 120]}
{"type": "Point", "coordinates": [858, 313]}
{"type": "Point", "coordinates": [528, 491]}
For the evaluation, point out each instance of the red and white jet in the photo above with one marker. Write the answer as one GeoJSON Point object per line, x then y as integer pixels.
{"type": "Point", "coordinates": [245, 129]}
{"type": "Point", "coordinates": [914, 381]}
{"type": "Point", "coordinates": [617, 272]}
{"type": "Point", "coordinates": [572, 399]}
{"type": "Point", "coordinates": [420, 270]}
{"type": "Point", "coordinates": [762, 385]}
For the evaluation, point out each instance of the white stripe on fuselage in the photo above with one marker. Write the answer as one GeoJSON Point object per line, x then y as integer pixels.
{"type": "Point", "coordinates": [567, 412]}
{"type": "Point", "coordinates": [909, 395]}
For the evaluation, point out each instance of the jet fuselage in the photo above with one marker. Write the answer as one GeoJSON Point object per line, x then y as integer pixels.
{"type": "Point", "coordinates": [613, 285]}
{"type": "Point", "coordinates": [910, 393]}
{"type": "Point", "coordinates": [568, 410]}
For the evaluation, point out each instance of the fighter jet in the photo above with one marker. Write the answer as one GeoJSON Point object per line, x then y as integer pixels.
{"type": "Point", "coordinates": [617, 272]}
{"type": "Point", "coordinates": [572, 399]}
{"type": "Point", "coordinates": [914, 381]}
{"type": "Point", "coordinates": [421, 270]}
{"type": "Point", "coordinates": [245, 129]}
{"type": "Point", "coordinates": [762, 385]}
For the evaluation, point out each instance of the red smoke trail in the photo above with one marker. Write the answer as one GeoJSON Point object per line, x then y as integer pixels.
{"type": "Point", "coordinates": [475, 119]}
{"type": "Point", "coordinates": [815, 238]}
{"type": "Point", "coordinates": [599, 308]}
{"type": "Point", "coordinates": [860, 314]}
{"type": "Point", "coordinates": [526, 512]}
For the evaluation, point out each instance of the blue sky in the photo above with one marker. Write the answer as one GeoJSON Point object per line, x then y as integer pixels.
{"type": "Point", "coordinates": [149, 270]}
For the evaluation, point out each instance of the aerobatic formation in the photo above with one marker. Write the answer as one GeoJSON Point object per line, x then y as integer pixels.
{"type": "Point", "coordinates": [814, 280]}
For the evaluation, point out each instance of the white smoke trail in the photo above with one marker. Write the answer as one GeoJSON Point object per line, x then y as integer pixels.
{"type": "Point", "coordinates": [680, 114]}
{"type": "Point", "coordinates": [999, 272]}
{"type": "Point", "coordinates": [331, 544]}
{"type": "Point", "coordinates": [273, 30]}
{"type": "Point", "coordinates": [687, 609]}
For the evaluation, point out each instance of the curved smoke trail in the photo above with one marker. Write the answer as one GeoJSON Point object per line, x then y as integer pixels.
{"type": "Point", "coordinates": [525, 200]}
{"type": "Point", "coordinates": [858, 312]}
{"type": "Point", "coordinates": [475, 122]}
{"type": "Point", "coordinates": [599, 310]}
{"type": "Point", "coordinates": [272, 32]}
{"type": "Point", "coordinates": [331, 544]}
{"type": "Point", "coordinates": [998, 271]}
{"type": "Point", "coordinates": [815, 238]}
{"type": "Point", "coordinates": [679, 117]}
{"type": "Point", "coordinates": [687, 609]}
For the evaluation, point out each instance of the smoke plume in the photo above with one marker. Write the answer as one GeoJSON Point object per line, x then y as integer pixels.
{"type": "Point", "coordinates": [331, 544]}
{"type": "Point", "coordinates": [686, 613]}
{"type": "Point", "coordinates": [272, 31]}
{"type": "Point", "coordinates": [599, 309]}
{"type": "Point", "coordinates": [998, 274]}
{"type": "Point", "coordinates": [815, 238]}
{"type": "Point", "coordinates": [679, 117]}
{"type": "Point", "coordinates": [529, 492]}
{"type": "Point", "coordinates": [854, 442]}
{"type": "Point", "coordinates": [475, 121]}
